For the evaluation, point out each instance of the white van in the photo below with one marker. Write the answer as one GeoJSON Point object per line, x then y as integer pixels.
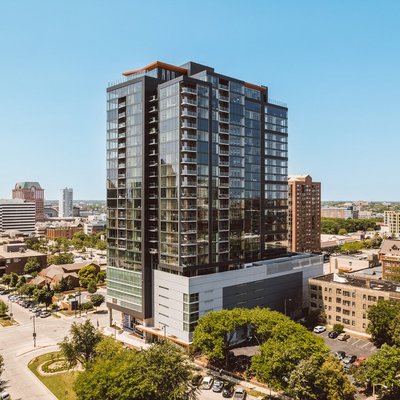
{"type": "Point", "coordinates": [4, 396]}
{"type": "Point", "coordinates": [207, 382]}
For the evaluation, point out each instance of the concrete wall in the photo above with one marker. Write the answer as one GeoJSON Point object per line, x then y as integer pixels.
{"type": "Point", "coordinates": [267, 283]}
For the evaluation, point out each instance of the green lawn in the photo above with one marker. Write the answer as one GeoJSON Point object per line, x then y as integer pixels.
{"type": "Point", "coordinates": [61, 385]}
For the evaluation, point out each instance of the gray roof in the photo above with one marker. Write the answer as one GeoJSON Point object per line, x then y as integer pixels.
{"type": "Point", "coordinates": [27, 185]}
{"type": "Point", "coordinates": [390, 247]}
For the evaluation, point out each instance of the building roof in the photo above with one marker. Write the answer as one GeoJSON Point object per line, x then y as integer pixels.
{"type": "Point", "coordinates": [27, 185]}
{"type": "Point", "coordinates": [390, 247]}
{"type": "Point", "coordinates": [21, 254]}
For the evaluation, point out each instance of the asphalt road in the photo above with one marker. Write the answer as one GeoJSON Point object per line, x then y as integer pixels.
{"type": "Point", "coordinates": [16, 346]}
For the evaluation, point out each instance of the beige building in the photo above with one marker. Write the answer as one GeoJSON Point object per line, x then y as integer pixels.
{"type": "Point", "coordinates": [392, 220]}
{"type": "Point", "coordinates": [389, 256]}
{"type": "Point", "coordinates": [304, 216]}
{"type": "Point", "coordinates": [346, 299]}
{"type": "Point", "coordinates": [352, 262]}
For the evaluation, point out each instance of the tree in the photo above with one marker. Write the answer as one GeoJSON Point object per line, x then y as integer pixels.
{"type": "Point", "coordinates": [381, 316]}
{"type": "Point", "coordinates": [318, 379]}
{"type": "Point", "coordinates": [382, 368]}
{"type": "Point", "coordinates": [161, 372]}
{"type": "Point", "coordinates": [87, 274]}
{"type": "Point", "coordinates": [64, 285]}
{"type": "Point", "coordinates": [97, 299]}
{"type": "Point", "coordinates": [32, 265]}
{"type": "Point", "coordinates": [342, 231]}
{"type": "Point", "coordinates": [339, 328]}
{"type": "Point", "coordinates": [13, 279]}
{"type": "Point", "coordinates": [92, 287]}
{"type": "Point", "coordinates": [282, 352]}
{"type": "Point", "coordinates": [80, 348]}
{"type": "Point", "coordinates": [215, 332]}
{"type": "Point", "coordinates": [3, 309]}
{"type": "Point", "coordinates": [43, 295]}
{"type": "Point", "coordinates": [6, 280]}
{"type": "Point", "coordinates": [101, 276]}
{"type": "Point", "coordinates": [21, 281]}
{"type": "Point", "coordinates": [60, 259]}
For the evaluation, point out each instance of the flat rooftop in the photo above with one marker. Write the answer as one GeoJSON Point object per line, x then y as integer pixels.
{"type": "Point", "coordinates": [362, 279]}
{"type": "Point", "coordinates": [21, 254]}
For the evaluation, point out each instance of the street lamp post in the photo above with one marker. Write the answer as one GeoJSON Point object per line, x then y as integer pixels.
{"type": "Point", "coordinates": [34, 330]}
{"type": "Point", "coordinates": [287, 299]}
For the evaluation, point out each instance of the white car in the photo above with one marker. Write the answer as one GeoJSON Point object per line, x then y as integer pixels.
{"type": "Point", "coordinates": [207, 382]}
{"type": "Point", "coordinates": [319, 329]}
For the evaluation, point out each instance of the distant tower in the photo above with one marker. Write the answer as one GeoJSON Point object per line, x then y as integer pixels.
{"type": "Point", "coordinates": [65, 204]}
{"type": "Point", "coordinates": [31, 192]}
{"type": "Point", "coordinates": [304, 217]}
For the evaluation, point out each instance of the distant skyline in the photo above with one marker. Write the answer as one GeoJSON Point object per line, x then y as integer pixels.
{"type": "Point", "coordinates": [334, 63]}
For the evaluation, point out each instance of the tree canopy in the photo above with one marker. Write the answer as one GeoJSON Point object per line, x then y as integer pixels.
{"type": "Point", "coordinates": [333, 225]}
{"type": "Point", "coordinates": [80, 348]}
{"type": "Point", "coordinates": [161, 372]}
{"type": "Point", "coordinates": [32, 266]}
{"type": "Point", "coordinates": [87, 274]}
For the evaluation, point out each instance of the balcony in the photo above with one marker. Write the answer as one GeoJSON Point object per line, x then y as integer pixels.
{"type": "Point", "coordinates": [153, 164]}
{"type": "Point", "coordinates": [224, 184]}
{"type": "Point", "coordinates": [223, 152]}
{"type": "Point", "coordinates": [123, 125]}
{"type": "Point", "coordinates": [187, 113]}
{"type": "Point", "coordinates": [186, 171]}
{"type": "Point", "coordinates": [224, 109]}
{"type": "Point", "coordinates": [188, 135]}
{"type": "Point", "coordinates": [188, 194]}
{"type": "Point", "coordinates": [186, 100]}
{"type": "Point", "coordinates": [224, 162]}
{"type": "Point", "coordinates": [153, 98]}
{"type": "Point", "coordinates": [122, 166]}
{"type": "Point", "coordinates": [223, 98]}
{"type": "Point", "coordinates": [121, 146]}
{"type": "Point", "coordinates": [153, 109]}
{"type": "Point", "coordinates": [188, 125]}
{"type": "Point", "coordinates": [153, 142]}
{"type": "Point", "coordinates": [121, 105]}
{"type": "Point", "coordinates": [121, 135]}
{"type": "Point", "coordinates": [188, 148]}
{"type": "Point", "coordinates": [121, 176]}
{"type": "Point", "coordinates": [185, 89]}
{"type": "Point", "coordinates": [153, 120]}
{"type": "Point", "coordinates": [153, 153]}
{"type": "Point", "coordinates": [223, 130]}
{"type": "Point", "coordinates": [189, 160]}
{"type": "Point", "coordinates": [189, 183]}
{"type": "Point", "coordinates": [223, 87]}
{"type": "Point", "coordinates": [121, 155]}
{"type": "Point", "coordinates": [153, 131]}
{"type": "Point", "coordinates": [224, 120]}
{"type": "Point", "coordinates": [122, 115]}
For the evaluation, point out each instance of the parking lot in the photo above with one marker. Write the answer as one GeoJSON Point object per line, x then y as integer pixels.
{"type": "Point", "coordinates": [356, 346]}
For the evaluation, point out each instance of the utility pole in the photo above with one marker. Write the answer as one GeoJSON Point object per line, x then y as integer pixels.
{"type": "Point", "coordinates": [34, 331]}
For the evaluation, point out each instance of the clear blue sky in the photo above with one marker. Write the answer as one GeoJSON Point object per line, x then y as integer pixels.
{"type": "Point", "coordinates": [336, 64]}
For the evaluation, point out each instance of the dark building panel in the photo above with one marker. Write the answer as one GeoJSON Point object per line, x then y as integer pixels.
{"type": "Point", "coordinates": [270, 293]}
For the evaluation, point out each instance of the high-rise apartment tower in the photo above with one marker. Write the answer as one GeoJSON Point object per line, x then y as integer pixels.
{"type": "Point", "coordinates": [304, 218]}
{"type": "Point", "coordinates": [196, 188]}
{"type": "Point", "coordinates": [65, 204]}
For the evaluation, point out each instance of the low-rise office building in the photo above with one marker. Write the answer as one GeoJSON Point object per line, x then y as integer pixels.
{"type": "Point", "coordinates": [66, 232]}
{"type": "Point", "coordinates": [14, 255]}
{"type": "Point", "coordinates": [352, 262]}
{"type": "Point", "coordinates": [339, 212]}
{"type": "Point", "coordinates": [17, 214]}
{"type": "Point", "coordinates": [346, 299]}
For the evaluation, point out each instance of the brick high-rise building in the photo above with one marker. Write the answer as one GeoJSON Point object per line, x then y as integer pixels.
{"type": "Point", "coordinates": [304, 218]}
{"type": "Point", "coordinates": [31, 191]}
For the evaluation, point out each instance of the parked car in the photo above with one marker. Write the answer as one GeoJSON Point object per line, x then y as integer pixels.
{"type": "Point", "coordinates": [207, 382]}
{"type": "Point", "coordinates": [38, 312]}
{"type": "Point", "coordinates": [44, 314]}
{"type": "Point", "coordinates": [359, 360]}
{"type": "Point", "coordinates": [228, 390]}
{"type": "Point", "coordinates": [340, 355]}
{"type": "Point", "coordinates": [333, 334]}
{"type": "Point", "coordinates": [343, 337]}
{"type": "Point", "coordinates": [240, 394]}
{"type": "Point", "coordinates": [349, 359]}
{"type": "Point", "coordinates": [319, 329]}
{"type": "Point", "coordinates": [218, 386]}
{"type": "Point", "coordinates": [4, 396]}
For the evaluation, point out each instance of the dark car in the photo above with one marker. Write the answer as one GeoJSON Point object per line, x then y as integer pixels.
{"type": "Point", "coordinates": [228, 390]}
{"type": "Point", "coordinates": [340, 355]}
{"type": "Point", "coordinates": [333, 334]}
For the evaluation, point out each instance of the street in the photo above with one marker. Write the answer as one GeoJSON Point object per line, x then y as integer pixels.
{"type": "Point", "coordinates": [16, 346]}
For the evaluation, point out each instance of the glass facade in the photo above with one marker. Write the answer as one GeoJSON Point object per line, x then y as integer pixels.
{"type": "Point", "coordinates": [124, 193]}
